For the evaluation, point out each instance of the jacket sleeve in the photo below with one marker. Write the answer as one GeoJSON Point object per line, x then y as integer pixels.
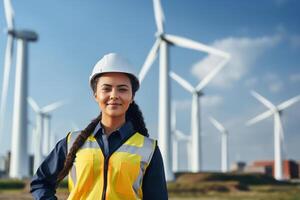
{"type": "Point", "coordinates": [154, 182]}
{"type": "Point", "coordinates": [43, 183]}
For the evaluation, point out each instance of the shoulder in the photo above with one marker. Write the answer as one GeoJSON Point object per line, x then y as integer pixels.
{"type": "Point", "coordinates": [72, 136]}
{"type": "Point", "coordinates": [147, 140]}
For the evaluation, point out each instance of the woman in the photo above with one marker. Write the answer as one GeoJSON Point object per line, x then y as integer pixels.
{"type": "Point", "coordinates": [113, 157]}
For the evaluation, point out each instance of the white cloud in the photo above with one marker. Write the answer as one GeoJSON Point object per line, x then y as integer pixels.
{"type": "Point", "coordinates": [276, 87]}
{"type": "Point", "coordinates": [251, 82]}
{"type": "Point", "coordinates": [294, 77]}
{"type": "Point", "coordinates": [212, 100]}
{"type": "Point", "coordinates": [271, 77]}
{"type": "Point", "coordinates": [274, 83]}
{"type": "Point", "coordinates": [244, 54]}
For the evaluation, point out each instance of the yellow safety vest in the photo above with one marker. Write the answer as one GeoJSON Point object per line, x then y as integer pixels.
{"type": "Point", "coordinates": [118, 177]}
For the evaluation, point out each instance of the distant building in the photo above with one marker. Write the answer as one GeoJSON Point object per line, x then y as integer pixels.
{"type": "Point", "coordinates": [238, 167]}
{"type": "Point", "coordinates": [2, 164]}
{"type": "Point", "coordinates": [299, 168]}
{"type": "Point", "coordinates": [5, 165]}
{"type": "Point", "coordinates": [290, 168]}
{"type": "Point", "coordinates": [31, 162]}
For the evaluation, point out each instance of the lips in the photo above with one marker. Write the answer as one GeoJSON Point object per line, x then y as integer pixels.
{"type": "Point", "coordinates": [114, 104]}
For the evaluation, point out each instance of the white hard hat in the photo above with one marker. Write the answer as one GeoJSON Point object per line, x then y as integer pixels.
{"type": "Point", "coordinates": [113, 62]}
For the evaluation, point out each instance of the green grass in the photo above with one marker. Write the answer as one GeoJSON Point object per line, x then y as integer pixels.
{"type": "Point", "coordinates": [254, 193]}
{"type": "Point", "coordinates": [200, 186]}
{"type": "Point", "coordinates": [11, 184]}
{"type": "Point", "coordinates": [219, 186]}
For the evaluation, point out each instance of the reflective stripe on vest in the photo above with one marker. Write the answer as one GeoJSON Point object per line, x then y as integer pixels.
{"type": "Point", "coordinates": [126, 168]}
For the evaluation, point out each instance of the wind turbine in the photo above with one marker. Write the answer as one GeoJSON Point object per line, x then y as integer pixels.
{"type": "Point", "coordinates": [161, 44]}
{"type": "Point", "coordinates": [42, 138]}
{"type": "Point", "coordinates": [9, 16]}
{"type": "Point", "coordinates": [276, 111]}
{"type": "Point", "coordinates": [224, 142]}
{"type": "Point", "coordinates": [19, 162]}
{"type": "Point", "coordinates": [177, 136]}
{"type": "Point", "coordinates": [195, 112]}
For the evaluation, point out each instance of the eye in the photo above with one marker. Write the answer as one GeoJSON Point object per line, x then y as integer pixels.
{"type": "Point", "coordinates": [123, 89]}
{"type": "Point", "coordinates": [106, 89]}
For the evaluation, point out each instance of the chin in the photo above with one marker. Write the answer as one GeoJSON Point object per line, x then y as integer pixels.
{"type": "Point", "coordinates": [116, 114]}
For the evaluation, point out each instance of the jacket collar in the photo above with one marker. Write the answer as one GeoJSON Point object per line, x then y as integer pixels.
{"type": "Point", "coordinates": [125, 130]}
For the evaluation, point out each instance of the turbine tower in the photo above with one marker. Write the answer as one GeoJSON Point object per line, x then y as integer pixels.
{"type": "Point", "coordinates": [276, 111]}
{"type": "Point", "coordinates": [19, 162]}
{"type": "Point", "coordinates": [224, 142]}
{"type": "Point", "coordinates": [47, 124]}
{"type": "Point", "coordinates": [161, 44]}
{"type": "Point", "coordinates": [195, 111]}
{"type": "Point", "coordinates": [178, 136]}
{"type": "Point", "coordinates": [42, 138]}
{"type": "Point", "coordinates": [9, 16]}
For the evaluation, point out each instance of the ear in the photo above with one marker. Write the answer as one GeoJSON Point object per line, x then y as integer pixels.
{"type": "Point", "coordinates": [95, 96]}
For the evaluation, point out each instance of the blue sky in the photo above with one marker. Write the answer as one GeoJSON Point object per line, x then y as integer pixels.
{"type": "Point", "coordinates": [263, 38]}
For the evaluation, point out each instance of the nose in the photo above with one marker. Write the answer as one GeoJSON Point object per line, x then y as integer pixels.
{"type": "Point", "coordinates": [114, 95]}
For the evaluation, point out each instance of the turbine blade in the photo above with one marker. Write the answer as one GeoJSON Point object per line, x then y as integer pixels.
{"type": "Point", "coordinates": [190, 44]}
{"type": "Point", "coordinates": [217, 124]}
{"type": "Point", "coordinates": [159, 16]}
{"type": "Point", "coordinates": [149, 60]}
{"type": "Point", "coordinates": [260, 117]}
{"type": "Point", "coordinates": [181, 136]}
{"type": "Point", "coordinates": [211, 75]}
{"type": "Point", "coordinates": [288, 103]}
{"type": "Point", "coordinates": [9, 14]}
{"type": "Point", "coordinates": [53, 106]}
{"type": "Point", "coordinates": [33, 104]}
{"type": "Point", "coordinates": [182, 82]}
{"type": "Point", "coordinates": [263, 100]}
{"type": "Point", "coordinates": [5, 84]}
{"type": "Point", "coordinates": [173, 115]}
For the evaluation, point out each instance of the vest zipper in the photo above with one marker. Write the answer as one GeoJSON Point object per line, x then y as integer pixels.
{"type": "Point", "coordinates": [105, 178]}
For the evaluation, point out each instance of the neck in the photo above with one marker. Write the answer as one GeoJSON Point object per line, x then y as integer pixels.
{"type": "Point", "coordinates": [110, 124]}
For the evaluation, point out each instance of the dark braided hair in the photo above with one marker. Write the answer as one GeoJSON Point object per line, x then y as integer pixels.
{"type": "Point", "coordinates": [133, 114]}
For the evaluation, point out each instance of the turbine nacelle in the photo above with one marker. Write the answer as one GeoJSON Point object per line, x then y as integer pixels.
{"type": "Point", "coordinates": [276, 110]}
{"type": "Point", "coordinates": [199, 93]}
{"type": "Point", "coordinates": [159, 35]}
{"type": "Point", "coordinates": [24, 35]}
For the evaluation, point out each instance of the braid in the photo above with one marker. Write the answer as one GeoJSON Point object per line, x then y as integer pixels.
{"type": "Point", "coordinates": [79, 141]}
{"type": "Point", "coordinates": [135, 115]}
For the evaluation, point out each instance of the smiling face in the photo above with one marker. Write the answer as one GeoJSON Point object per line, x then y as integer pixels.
{"type": "Point", "coordinates": [113, 94]}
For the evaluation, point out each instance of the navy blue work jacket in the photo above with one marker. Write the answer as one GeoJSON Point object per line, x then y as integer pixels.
{"type": "Point", "coordinates": [43, 184]}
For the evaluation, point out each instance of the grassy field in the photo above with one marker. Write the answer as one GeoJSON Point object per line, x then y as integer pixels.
{"type": "Point", "coordinates": [202, 186]}
{"type": "Point", "coordinates": [255, 193]}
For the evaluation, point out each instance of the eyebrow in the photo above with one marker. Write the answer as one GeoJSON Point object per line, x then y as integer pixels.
{"type": "Point", "coordinates": [108, 85]}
